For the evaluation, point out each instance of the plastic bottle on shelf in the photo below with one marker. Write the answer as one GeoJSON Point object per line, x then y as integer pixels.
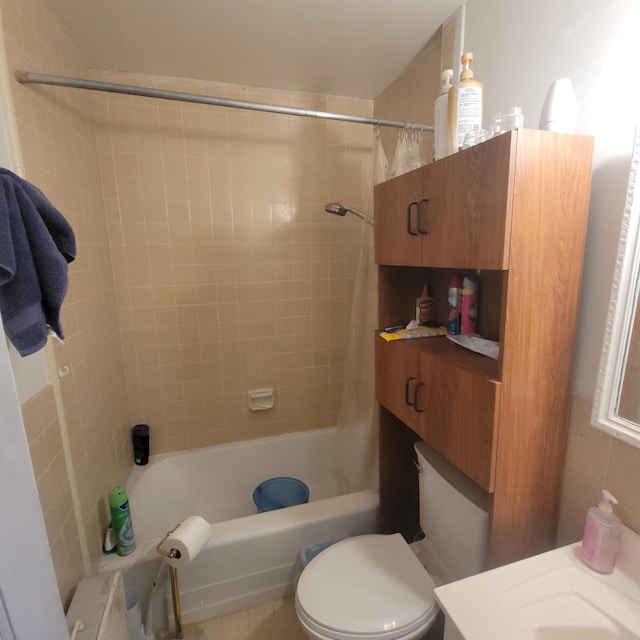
{"type": "Point", "coordinates": [121, 518]}
{"type": "Point", "coordinates": [424, 307]}
{"type": "Point", "coordinates": [442, 137]}
{"type": "Point", "coordinates": [559, 112]}
{"type": "Point", "coordinates": [601, 535]}
{"type": "Point", "coordinates": [465, 104]}
{"type": "Point", "coordinates": [469, 306]}
{"type": "Point", "coordinates": [453, 318]}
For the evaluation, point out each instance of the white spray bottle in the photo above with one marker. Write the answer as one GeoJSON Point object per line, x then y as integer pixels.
{"type": "Point", "coordinates": [601, 535]}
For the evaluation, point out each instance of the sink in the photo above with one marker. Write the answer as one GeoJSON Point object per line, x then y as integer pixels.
{"type": "Point", "coordinates": [552, 596]}
{"type": "Point", "coordinates": [582, 633]}
{"type": "Point", "coordinates": [573, 602]}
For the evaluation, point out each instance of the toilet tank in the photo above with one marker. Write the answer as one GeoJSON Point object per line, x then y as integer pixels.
{"type": "Point", "coordinates": [454, 515]}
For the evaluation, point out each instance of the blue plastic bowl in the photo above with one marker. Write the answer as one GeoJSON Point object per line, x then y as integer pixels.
{"type": "Point", "coordinates": [277, 493]}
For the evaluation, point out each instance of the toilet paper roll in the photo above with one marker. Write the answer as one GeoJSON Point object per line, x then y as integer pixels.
{"type": "Point", "coordinates": [189, 539]}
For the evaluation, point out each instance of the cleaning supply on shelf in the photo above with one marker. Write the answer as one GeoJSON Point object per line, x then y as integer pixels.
{"type": "Point", "coordinates": [122, 524]}
{"type": "Point", "coordinates": [424, 307]}
{"type": "Point", "coordinates": [601, 535]}
{"type": "Point", "coordinates": [468, 306]}
{"type": "Point", "coordinates": [442, 138]}
{"type": "Point", "coordinates": [465, 104]}
{"type": "Point", "coordinates": [412, 330]}
{"type": "Point", "coordinates": [454, 298]}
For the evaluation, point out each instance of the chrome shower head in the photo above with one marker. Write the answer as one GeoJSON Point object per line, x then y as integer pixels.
{"type": "Point", "coordinates": [339, 209]}
{"type": "Point", "coordinates": [335, 208]}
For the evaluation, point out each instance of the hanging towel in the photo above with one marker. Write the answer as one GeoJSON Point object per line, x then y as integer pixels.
{"type": "Point", "coordinates": [36, 243]}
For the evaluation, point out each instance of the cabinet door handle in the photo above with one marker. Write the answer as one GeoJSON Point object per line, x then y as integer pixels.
{"type": "Point", "coordinates": [407, 384]}
{"type": "Point", "coordinates": [415, 397]}
{"type": "Point", "coordinates": [409, 218]}
{"type": "Point", "coordinates": [421, 229]}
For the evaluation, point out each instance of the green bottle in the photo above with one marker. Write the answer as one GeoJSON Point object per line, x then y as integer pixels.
{"type": "Point", "coordinates": [122, 525]}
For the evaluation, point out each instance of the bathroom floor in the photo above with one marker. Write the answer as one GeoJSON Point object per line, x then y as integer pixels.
{"type": "Point", "coordinates": [271, 621]}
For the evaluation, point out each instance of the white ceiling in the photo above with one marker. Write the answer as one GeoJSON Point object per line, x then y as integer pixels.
{"type": "Point", "coordinates": [336, 47]}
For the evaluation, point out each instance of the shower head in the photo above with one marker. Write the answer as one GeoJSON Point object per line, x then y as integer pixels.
{"type": "Point", "coordinates": [339, 209]}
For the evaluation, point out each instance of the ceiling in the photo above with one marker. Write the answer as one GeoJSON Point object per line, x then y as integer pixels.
{"type": "Point", "coordinates": [336, 47]}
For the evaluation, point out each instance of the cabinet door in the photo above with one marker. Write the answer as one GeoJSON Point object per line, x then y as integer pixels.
{"type": "Point", "coordinates": [460, 416]}
{"type": "Point", "coordinates": [397, 241]}
{"type": "Point", "coordinates": [397, 377]}
{"type": "Point", "coordinates": [469, 196]}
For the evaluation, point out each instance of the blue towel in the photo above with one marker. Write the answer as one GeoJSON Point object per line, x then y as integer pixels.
{"type": "Point", "coordinates": [36, 243]}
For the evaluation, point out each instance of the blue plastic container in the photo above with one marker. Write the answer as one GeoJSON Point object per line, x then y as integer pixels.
{"type": "Point", "coordinates": [277, 493]}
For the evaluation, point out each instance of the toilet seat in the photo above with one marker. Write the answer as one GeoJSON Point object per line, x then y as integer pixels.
{"type": "Point", "coordinates": [366, 587]}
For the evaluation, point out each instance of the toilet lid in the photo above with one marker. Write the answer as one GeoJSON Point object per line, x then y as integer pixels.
{"type": "Point", "coordinates": [366, 585]}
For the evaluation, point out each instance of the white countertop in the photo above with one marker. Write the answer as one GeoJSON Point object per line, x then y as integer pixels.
{"type": "Point", "coordinates": [552, 595]}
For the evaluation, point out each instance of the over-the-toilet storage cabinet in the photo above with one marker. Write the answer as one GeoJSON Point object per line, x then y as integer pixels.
{"type": "Point", "coordinates": [512, 212]}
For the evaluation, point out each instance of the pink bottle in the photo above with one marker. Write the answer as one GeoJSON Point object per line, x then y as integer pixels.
{"type": "Point", "coordinates": [601, 535]}
{"type": "Point", "coordinates": [469, 306]}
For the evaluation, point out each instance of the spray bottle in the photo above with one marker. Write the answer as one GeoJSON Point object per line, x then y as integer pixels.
{"type": "Point", "coordinates": [442, 137]}
{"type": "Point", "coordinates": [121, 517]}
{"type": "Point", "coordinates": [465, 104]}
{"type": "Point", "coordinates": [601, 535]}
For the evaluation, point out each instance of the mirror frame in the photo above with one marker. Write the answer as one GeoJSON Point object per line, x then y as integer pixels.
{"type": "Point", "coordinates": [620, 317]}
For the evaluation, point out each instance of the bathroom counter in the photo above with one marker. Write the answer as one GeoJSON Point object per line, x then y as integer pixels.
{"type": "Point", "coordinates": [548, 596]}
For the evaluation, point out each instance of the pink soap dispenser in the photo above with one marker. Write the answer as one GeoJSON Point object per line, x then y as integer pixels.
{"type": "Point", "coordinates": [601, 535]}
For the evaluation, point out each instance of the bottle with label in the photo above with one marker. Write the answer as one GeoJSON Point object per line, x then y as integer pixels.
{"type": "Point", "coordinates": [442, 137]}
{"type": "Point", "coordinates": [465, 104]}
{"type": "Point", "coordinates": [453, 318]}
{"type": "Point", "coordinates": [122, 524]}
{"type": "Point", "coordinates": [469, 306]}
{"type": "Point", "coordinates": [424, 307]}
{"type": "Point", "coordinates": [140, 439]}
{"type": "Point", "coordinates": [601, 535]}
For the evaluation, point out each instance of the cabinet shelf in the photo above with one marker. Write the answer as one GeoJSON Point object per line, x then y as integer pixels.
{"type": "Point", "coordinates": [453, 354]}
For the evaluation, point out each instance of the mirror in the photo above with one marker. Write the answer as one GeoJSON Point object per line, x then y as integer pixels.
{"type": "Point", "coordinates": [616, 408]}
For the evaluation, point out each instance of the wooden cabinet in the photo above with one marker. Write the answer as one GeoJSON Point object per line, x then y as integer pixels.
{"type": "Point", "coordinates": [511, 211]}
{"type": "Point", "coordinates": [446, 214]}
{"type": "Point", "coordinates": [421, 385]}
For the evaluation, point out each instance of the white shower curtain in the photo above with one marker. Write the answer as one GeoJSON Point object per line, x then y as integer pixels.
{"type": "Point", "coordinates": [357, 456]}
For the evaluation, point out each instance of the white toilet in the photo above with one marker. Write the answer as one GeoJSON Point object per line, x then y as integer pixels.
{"type": "Point", "coordinates": [377, 587]}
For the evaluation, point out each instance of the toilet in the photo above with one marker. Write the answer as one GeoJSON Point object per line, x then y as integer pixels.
{"type": "Point", "coordinates": [378, 587]}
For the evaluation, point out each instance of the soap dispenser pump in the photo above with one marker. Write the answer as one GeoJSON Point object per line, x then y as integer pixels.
{"type": "Point", "coordinates": [601, 535]}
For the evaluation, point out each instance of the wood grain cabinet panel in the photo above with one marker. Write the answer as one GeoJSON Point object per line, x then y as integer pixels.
{"type": "Point", "coordinates": [512, 212]}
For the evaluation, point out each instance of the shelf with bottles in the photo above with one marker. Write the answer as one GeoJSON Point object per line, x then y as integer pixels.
{"type": "Point", "coordinates": [399, 288]}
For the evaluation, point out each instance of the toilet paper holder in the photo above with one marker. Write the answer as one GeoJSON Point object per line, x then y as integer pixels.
{"type": "Point", "coordinates": [171, 553]}
{"type": "Point", "coordinates": [190, 632]}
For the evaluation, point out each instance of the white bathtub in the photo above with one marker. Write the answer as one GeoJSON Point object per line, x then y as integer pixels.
{"type": "Point", "coordinates": [251, 558]}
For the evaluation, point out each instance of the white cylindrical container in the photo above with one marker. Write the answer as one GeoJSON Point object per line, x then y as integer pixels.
{"type": "Point", "coordinates": [135, 628]}
{"type": "Point", "coordinates": [559, 112]}
{"type": "Point", "coordinates": [441, 134]}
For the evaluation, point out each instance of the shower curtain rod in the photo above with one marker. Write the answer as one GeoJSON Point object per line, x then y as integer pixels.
{"type": "Point", "coordinates": [27, 77]}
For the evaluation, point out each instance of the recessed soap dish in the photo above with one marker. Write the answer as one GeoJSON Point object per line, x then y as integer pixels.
{"type": "Point", "coordinates": [260, 399]}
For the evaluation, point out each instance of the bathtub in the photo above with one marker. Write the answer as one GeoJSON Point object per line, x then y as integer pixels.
{"type": "Point", "coordinates": [252, 557]}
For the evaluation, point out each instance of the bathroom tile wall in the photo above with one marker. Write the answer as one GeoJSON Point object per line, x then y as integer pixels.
{"type": "Point", "coordinates": [595, 461]}
{"type": "Point", "coordinates": [59, 155]}
{"type": "Point", "coordinates": [44, 435]}
{"type": "Point", "coordinates": [410, 98]}
{"type": "Point", "coordinates": [229, 274]}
